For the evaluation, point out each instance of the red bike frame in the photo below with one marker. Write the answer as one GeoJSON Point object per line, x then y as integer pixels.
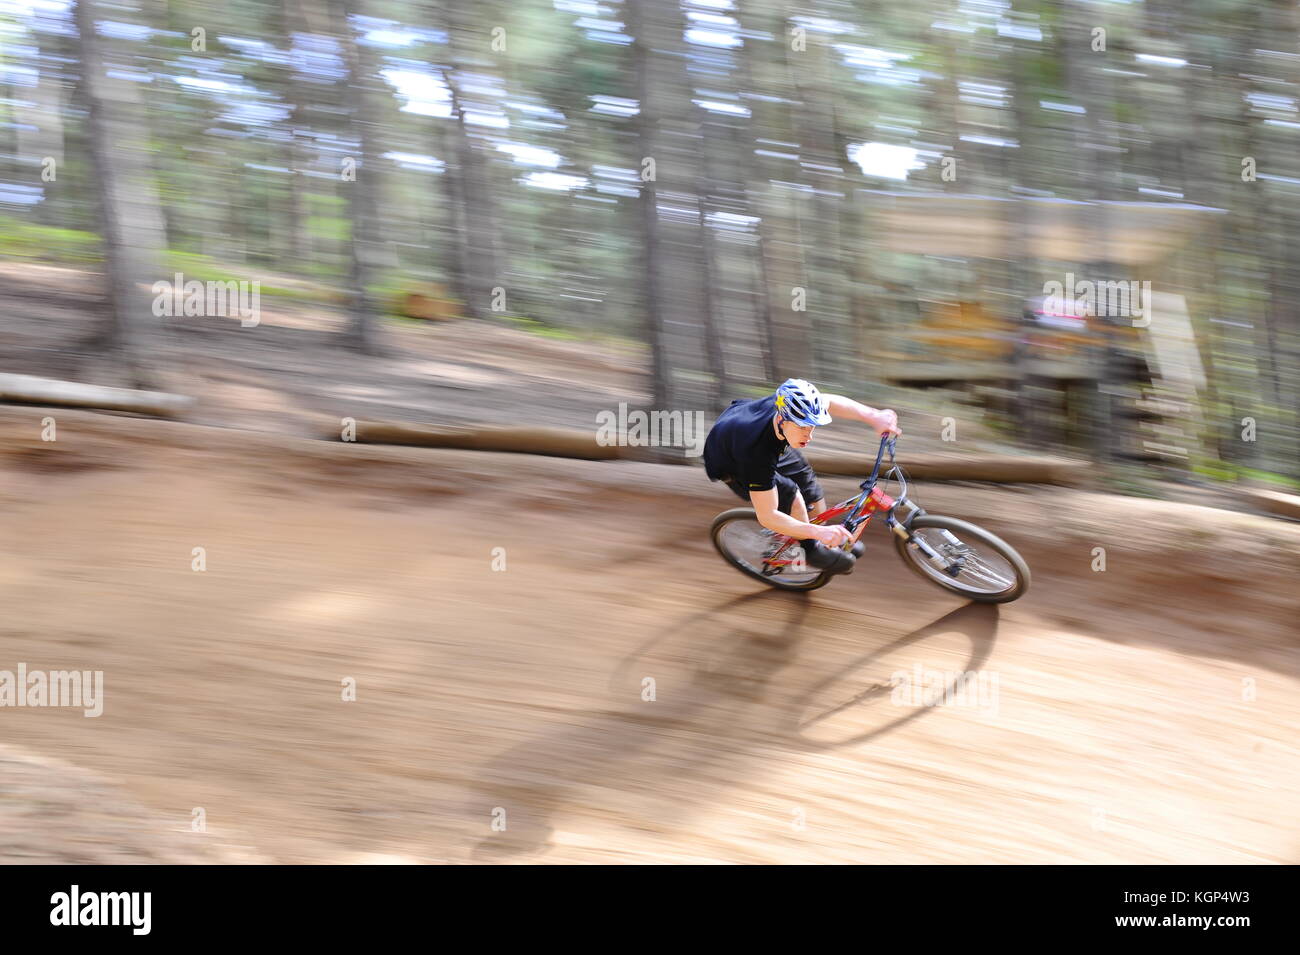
{"type": "Point", "coordinates": [858, 510]}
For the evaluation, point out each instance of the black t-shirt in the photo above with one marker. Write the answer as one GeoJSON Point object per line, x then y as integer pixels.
{"type": "Point", "coordinates": [743, 445]}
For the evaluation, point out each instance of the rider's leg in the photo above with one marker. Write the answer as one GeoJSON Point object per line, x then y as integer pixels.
{"type": "Point", "coordinates": [833, 560]}
{"type": "Point", "coordinates": [790, 501]}
{"type": "Point", "coordinates": [815, 553]}
{"type": "Point", "coordinates": [794, 466]}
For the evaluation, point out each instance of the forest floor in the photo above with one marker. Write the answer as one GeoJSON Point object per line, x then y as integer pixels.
{"type": "Point", "coordinates": [1144, 712]}
{"type": "Point", "coordinates": [288, 374]}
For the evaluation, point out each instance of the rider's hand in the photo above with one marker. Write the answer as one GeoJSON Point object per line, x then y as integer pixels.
{"type": "Point", "coordinates": [832, 535]}
{"type": "Point", "coordinates": [885, 421]}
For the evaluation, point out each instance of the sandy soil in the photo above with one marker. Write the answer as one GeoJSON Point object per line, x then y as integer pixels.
{"type": "Point", "coordinates": [1147, 713]}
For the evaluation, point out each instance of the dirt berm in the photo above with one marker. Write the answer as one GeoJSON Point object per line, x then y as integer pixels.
{"type": "Point", "coordinates": [550, 664]}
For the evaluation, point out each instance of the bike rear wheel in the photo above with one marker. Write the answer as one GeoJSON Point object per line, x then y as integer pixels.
{"type": "Point", "coordinates": [743, 541]}
{"type": "Point", "coordinates": [972, 562]}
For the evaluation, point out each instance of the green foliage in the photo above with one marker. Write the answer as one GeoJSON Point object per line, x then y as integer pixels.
{"type": "Point", "coordinates": [202, 268]}
{"type": "Point", "coordinates": [1226, 472]}
{"type": "Point", "coordinates": [539, 328]}
{"type": "Point", "coordinates": [333, 228]}
{"type": "Point", "coordinates": [32, 242]}
{"type": "Point", "coordinates": [1270, 477]}
{"type": "Point", "coordinates": [1131, 481]}
{"type": "Point", "coordinates": [564, 66]}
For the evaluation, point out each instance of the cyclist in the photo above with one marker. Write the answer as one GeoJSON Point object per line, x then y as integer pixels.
{"type": "Point", "coordinates": [755, 447]}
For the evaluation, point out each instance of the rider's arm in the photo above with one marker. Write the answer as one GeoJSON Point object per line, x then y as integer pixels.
{"type": "Point", "coordinates": [766, 505]}
{"type": "Point", "coordinates": [879, 420]}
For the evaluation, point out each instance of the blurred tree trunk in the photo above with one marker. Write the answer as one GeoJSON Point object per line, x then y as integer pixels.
{"type": "Point", "coordinates": [744, 147]}
{"type": "Point", "coordinates": [648, 37]}
{"type": "Point", "coordinates": [480, 259]}
{"type": "Point", "coordinates": [450, 144]}
{"type": "Point", "coordinates": [1274, 233]}
{"type": "Point", "coordinates": [773, 170]}
{"type": "Point", "coordinates": [822, 171]}
{"type": "Point", "coordinates": [475, 264]}
{"type": "Point", "coordinates": [711, 312]}
{"type": "Point", "coordinates": [297, 245]}
{"type": "Point", "coordinates": [756, 279]}
{"type": "Point", "coordinates": [362, 331]}
{"type": "Point", "coordinates": [129, 210]}
{"type": "Point", "coordinates": [1085, 82]}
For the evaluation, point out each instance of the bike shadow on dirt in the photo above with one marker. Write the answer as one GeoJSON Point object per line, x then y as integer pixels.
{"type": "Point", "coordinates": [974, 622]}
{"type": "Point", "coordinates": [691, 711]}
{"type": "Point", "coordinates": [639, 738]}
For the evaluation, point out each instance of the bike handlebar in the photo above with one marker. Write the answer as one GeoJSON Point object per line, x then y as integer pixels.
{"type": "Point", "coordinates": [887, 440]}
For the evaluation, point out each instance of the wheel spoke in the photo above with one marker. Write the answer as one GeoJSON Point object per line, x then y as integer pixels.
{"type": "Point", "coordinates": [982, 572]}
{"type": "Point", "coordinates": [748, 543]}
{"type": "Point", "coordinates": [977, 574]}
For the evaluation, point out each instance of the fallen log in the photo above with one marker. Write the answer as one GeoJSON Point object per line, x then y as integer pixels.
{"type": "Point", "coordinates": [552, 442]}
{"type": "Point", "coordinates": [29, 389]}
{"type": "Point", "coordinates": [576, 443]}
{"type": "Point", "coordinates": [1275, 503]}
{"type": "Point", "coordinates": [995, 468]}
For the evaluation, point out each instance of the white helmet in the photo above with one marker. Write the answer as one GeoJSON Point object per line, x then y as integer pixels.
{"type": "Point", "coordinates": [800, 401]}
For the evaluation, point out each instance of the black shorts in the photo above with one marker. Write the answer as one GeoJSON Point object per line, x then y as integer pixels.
{"type": "Point", "coordinates": [793, 475]}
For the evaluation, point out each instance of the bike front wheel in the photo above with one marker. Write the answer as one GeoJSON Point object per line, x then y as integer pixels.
{"type": "Point", "coordinates": [964, 559]}
{"type": "Point", "coordinates": [744, 543]}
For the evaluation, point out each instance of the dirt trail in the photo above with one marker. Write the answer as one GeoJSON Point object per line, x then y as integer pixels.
{"type": "Point", "coordinates": [1146, 713]}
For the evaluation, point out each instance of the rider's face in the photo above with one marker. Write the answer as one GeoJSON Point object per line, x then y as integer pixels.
{"type": "Point", "coordinates": [798, 435]}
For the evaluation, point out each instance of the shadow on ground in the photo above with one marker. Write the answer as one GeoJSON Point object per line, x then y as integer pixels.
{"type": "Point", "coordinates": [717, 687]}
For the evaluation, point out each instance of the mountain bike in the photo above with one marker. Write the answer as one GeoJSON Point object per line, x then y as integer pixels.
{"type": "Point", "coordinates": [953, 554]}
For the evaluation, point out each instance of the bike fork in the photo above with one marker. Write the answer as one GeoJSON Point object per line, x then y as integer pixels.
{"type": "Point", "coordinates": [950, 567]}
